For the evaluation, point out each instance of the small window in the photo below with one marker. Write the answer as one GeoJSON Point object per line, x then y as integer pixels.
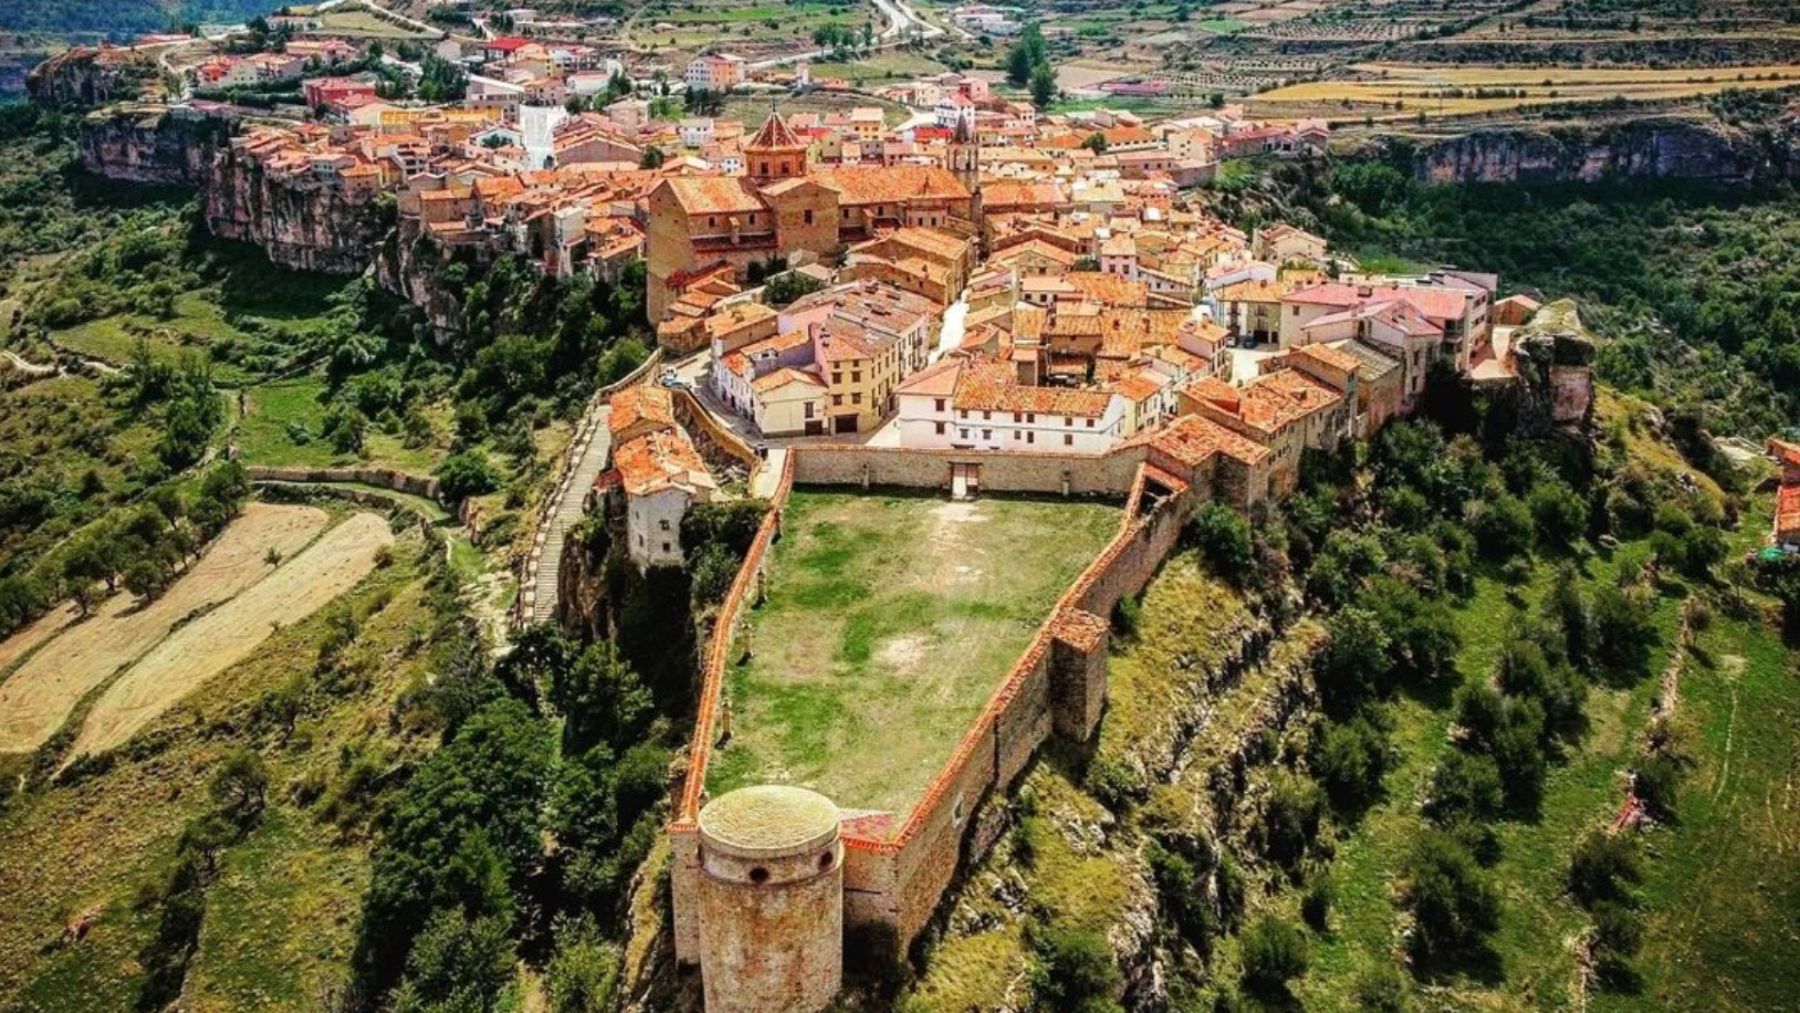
{"type": "Point", "coordinates": [940, 404]}
{"type": "Point", "coordinates": [808, 217]}
{"type": "Point", "coordinates": [963, 433]}
{"type": "Point", "coordinates": [1068, 439]}
{"type": "Point", "coordinates": [1031, 437]}
{"type": "Point", "coordinates": [665, 523]}
{"type": "Point", "coordinates": [940, 428]}
{"type": "Point", "coordinates": [1090, 423]}
{"type": "Point", "coordinates": [665, 547]}
{"type": "Point", "coordinates": [987, 434]}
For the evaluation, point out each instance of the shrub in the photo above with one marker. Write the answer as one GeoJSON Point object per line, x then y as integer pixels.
{"type": "Point", "coordinates": [1290, 819]}
{"type": "Point", "coordinates": [466, 474]}
{"type": "Point", "coordinates": [1350, 758]}
{"type": "Point", "coordinates": [1503, 528]}
{"type": "Point", "coordinates": [1315, 904]}
{"type": "Point", "coordinates": [1618, 932]}
{"type": "Point", "coordinates": [1624, 631]}
{"type": "Point", "coordinates": [1465, 786]}
{"type": "Point", "coordinates": [1382, 989]}
{"type": "Point", "coordinates": [1074, 970]}
{"type": "Point", "coordinates": [1559, 512]}
{"type": "Point", "coordinates": [1454, 907]}
{"type": "Point", "coordinates": [1274, 953]}
{"type": "Point", "coordinates": [1655, 785]}
{"type": "Point", "coordinates": [1223, 537]}
{"type": "Point", "coordinates": [1603, 867]}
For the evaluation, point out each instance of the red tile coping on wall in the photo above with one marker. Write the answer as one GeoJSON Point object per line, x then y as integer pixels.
{"type": "Point", "coordinates": [718, 651]}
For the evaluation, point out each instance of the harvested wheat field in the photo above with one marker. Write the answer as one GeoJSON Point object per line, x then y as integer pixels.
{"type": "Point", "coordinates": [38, 697]}
{"type": "Point", "coordinates": [1390, 90]}
{"type": "Point", "coordinates": [228, 634]}
{"type": "Point", "coordinates": [26, 640]}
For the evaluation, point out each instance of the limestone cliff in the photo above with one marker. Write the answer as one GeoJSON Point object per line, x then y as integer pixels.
{"type": "Point", "coordinates": [84, 77]}
{"type": "Point", "coordinates": [1554, 354]}
{"type": "Point", "coordinates": [298, 220]}
{"type": "Point", "coordinates": [412, 266]}
{"type": "Point", "coordinates": [141, 143]}
{"type": "Point", "coordinates": [1664, 147]}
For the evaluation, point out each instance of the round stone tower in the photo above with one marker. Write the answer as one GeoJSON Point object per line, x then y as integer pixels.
{"type": "Point", "coordinates": [771, 901]}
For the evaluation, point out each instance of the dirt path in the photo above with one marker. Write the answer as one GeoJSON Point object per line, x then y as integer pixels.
{"type": "Point", "coordinates": [37, 698]}
{"type": "Point", "coordinates": [230, 633]}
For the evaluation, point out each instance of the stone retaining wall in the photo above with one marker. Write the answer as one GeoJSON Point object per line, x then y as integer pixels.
{"type": "Point", "coordinates": [387, 478]}
{"type": "Point", "coordinates": [1108, 474]}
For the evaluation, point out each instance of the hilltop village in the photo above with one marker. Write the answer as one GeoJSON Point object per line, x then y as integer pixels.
{"type": "Point", "coordinates": [976, 299]}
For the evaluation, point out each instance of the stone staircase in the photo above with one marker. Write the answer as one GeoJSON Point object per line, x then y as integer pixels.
{"type": "Point", "coordinates": [544, 569]}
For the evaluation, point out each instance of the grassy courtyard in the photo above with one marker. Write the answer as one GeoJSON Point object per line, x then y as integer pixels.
{"type": "Point", "coordinates": [889, 622]}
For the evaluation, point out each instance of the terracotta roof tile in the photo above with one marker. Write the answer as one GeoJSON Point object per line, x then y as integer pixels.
{"type": "Point", "coordinates": [642, 403]}
{"type": "Point", "coordinates": [659, 460]}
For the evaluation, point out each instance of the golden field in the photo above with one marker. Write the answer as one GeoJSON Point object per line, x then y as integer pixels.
{"type": "Point", "coordinates": [1440, 90]}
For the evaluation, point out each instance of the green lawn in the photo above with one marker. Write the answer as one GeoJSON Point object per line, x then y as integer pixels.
{"type": "Point", "coordinates": [1223, 26]}
{"type": "Point", "coordinates": [890, 620]}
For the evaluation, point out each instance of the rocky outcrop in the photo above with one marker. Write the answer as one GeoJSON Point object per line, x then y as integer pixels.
{"type": "Point", "coordinates": [1669, 147]}
{"type": "Point", "coordinates": [298, 220]}
{"type": "Point", "coordinates": [1554, 357]}
{"type": "Point", "coordinates": [417, 269]}
{"type": "Point", "coordinates": [85, 76]}
{"type": "Point", "coordinates": [152, 144]}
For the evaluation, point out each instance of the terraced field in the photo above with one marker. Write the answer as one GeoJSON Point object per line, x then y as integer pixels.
{"type": "Point", "coordinates": [39, 696]}
{"type": "Point", "coordinates": [1402, 90]}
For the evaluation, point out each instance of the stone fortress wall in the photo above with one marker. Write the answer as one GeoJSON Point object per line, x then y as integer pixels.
{"type": "Point", "coordinates": [895, 878]}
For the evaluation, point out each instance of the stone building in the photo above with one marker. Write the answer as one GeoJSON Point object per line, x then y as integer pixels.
{"type": "Point", "coordinates": [784, 208]}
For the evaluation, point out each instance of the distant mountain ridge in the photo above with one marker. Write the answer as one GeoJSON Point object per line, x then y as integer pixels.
{"type": "Point", "coordinates": [87, 20]}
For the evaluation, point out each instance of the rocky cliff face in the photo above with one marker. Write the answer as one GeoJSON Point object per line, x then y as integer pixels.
{"type": "Point", "coordinates": [84, 77]}
{"type": "Point", "coordinates": [299, 222]}
{"type": "Point", "coordinates": [1671, 147]}
{"type": "Point", "coordinates": [151, 144]}
{"type": "Point", "coordinates": [411, 266]}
